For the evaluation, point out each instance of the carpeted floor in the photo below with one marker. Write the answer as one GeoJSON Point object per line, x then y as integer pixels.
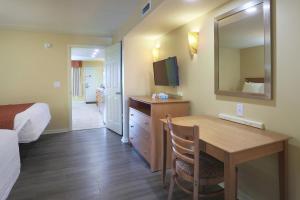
{"type": "Point", "coordinates": [86, 116]}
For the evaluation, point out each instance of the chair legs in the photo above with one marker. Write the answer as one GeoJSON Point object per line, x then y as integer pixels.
{"type": "Point", "coordinates": [237, 184]}
{"type": "Point", "coordinates": [171, 188]}
{"type": "Point", "coordinates": [196, 191]}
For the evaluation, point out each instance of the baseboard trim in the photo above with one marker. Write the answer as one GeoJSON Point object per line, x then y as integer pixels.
{"type": "Point", "coordinates": [244, 196]}
{"type": "Point", "coordinates": [241, 195]}
{"type": "Point", "coordinates": [92, 102]}
{"type": "Point", "coordinates": [54, 131]}
{"type": "Point", "coordinates": [124, 140]}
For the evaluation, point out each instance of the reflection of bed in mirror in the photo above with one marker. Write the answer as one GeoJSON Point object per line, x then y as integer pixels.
{"type": "Point", "coordinates": [254, 85]}
{"type": "Point", "coordinates": [243, 61]}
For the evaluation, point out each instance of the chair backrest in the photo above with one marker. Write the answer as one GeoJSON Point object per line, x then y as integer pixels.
{"type": "Point", "coordinates": [185, 145]}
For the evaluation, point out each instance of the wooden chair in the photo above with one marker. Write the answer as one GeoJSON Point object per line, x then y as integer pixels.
{"type": "Point", "coordinates": [189, 165]}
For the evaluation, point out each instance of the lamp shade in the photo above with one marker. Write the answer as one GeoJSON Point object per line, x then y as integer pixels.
{"type": "Point", "coordinates": [193, 38]}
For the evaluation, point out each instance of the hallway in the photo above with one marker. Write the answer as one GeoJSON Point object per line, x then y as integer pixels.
{"type": "Point", "coordinates": [86, 116]}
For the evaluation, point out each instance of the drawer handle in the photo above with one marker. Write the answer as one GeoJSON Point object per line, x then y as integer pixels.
{"type": "Point", "coordinates": [131, 114]}
{"type": "Point", "coordinates": [131, 126]}
{"type": "Point", "coordinates": [131, 138]}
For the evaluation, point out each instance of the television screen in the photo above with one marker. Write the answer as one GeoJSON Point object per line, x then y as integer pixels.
{"type": "Point", "coordinates": [166, 72]}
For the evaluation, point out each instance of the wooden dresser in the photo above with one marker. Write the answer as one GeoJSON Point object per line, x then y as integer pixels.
{"type": "Point", "coordinates": [98, 97]}
{"type": "Point", "coordinates": [145, 128]}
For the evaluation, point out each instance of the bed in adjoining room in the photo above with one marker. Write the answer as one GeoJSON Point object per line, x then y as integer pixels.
{"type": "Point", "coordinates": [28, 120]}
{"type": "Point", "coordinates": [9, 161]}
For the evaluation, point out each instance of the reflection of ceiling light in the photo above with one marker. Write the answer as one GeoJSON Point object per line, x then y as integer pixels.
{"type": "Point", "coordinates": [97, 50]}
{"type": "Point", "coordinates": [251, 10]}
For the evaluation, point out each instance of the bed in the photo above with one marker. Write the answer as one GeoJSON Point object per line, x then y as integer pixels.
{"type": "Point", "coordinates": [254, 85]}
{"type": "Point", "coordinates": [28, 120]}
{"type": "Point", "coordinates": [31, 123]}
{"type": "Point", "coordinates": [9, 161]}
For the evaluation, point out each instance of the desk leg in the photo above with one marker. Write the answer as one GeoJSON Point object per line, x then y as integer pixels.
{"type": "Point", "coordinates": [164, 154]}
{"type": "Point", "coordinates": [283, 171]}
{"type": "Point", "coordinates": [230, 179]}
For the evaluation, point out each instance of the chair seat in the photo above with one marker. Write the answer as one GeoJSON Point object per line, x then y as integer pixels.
{"type": "Point", "coordinates": [209, 167]}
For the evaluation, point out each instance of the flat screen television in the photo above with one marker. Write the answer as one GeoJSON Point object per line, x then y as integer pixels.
{"type": "Point", "coordinates": [166, 72]}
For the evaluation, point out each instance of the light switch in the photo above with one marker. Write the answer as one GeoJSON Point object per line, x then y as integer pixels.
{"type": "Point", "coordinates": [56, 84]}
{"type": "Point", "coordinates": [48, 45]}
{"type": "Point", "coordinates": [240, 109]}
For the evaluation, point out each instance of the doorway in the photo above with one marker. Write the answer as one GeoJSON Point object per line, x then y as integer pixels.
{"type": "Point", "coordinates": [96, 87]}
{"type": "Point", "coordinates": [87, 77]}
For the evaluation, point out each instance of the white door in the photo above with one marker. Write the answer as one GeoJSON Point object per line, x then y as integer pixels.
{"type": "Point", "coordinates": [113, 92]}
{"type": "Point", "coordinates": [90, 84]}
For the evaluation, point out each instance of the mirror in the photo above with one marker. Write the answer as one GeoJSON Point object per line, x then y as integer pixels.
{"type": "Point", "coordinates": [243, 51]}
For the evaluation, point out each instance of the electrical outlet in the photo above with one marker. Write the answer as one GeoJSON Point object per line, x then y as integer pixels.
{"type": "Point", "coordinates": [240, 109]}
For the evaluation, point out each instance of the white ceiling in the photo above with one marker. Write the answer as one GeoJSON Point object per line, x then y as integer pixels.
{"type": "Point", "coordinates": [91, 17]}
{"type": "Point", "coordinates": [88, 54]}
{"type": "Point", "coordinates": [171, 14]}
{"type": "Point", "coordinates": [243, 30]}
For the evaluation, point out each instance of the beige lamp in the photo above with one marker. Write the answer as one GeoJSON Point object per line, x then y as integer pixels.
{"type": "Point", "coordinates": [193, 38]}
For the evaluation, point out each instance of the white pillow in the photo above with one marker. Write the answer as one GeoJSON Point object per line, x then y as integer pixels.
{"type": "Point", "coordinates": [250, 87]}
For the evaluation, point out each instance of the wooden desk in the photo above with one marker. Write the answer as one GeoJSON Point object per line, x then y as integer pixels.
{"type": "Point", "coordinates": [233, 144]}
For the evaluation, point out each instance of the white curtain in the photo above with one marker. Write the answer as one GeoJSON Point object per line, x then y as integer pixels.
{"type": "Point", "coordinates": [76, 81]}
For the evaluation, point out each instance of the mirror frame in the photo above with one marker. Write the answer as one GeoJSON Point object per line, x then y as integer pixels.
{"type": "Point", "coordinates": [267, 50]}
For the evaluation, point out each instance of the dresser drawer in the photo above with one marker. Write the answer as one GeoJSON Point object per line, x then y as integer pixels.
{"type": "Point", "coordinates": [141, 119]}
{"type": "Point", "coordinates": [140, 139]}
{"type": "Point", "coordinates": [136, 129]}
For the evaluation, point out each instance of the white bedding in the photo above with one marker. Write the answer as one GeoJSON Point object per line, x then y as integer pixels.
{"type": "Point", "coordinates": [31, 123]}
{"type": "Point", "coordinates": [250, 87]}
{"type": "Point", "coordinates": [9, 161]}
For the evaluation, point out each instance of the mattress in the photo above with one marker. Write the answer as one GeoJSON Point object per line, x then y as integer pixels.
{"type": "Point", "coordinates": [31, 123]}
{"type": "Point", "coordinates": [9, 161]}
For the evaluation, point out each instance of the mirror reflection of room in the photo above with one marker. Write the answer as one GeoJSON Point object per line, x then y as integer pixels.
{"type": "Point", "coordinates": [241, 51]}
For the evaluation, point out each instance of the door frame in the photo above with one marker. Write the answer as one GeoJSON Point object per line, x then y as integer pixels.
{"type": "Point", "coordinates": [69, 73]}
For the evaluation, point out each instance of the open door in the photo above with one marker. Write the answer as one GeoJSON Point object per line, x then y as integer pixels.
{"type": "Point", "coordinates": [113, 91]}
{"type": "Point", "coordinates": [90, 84]}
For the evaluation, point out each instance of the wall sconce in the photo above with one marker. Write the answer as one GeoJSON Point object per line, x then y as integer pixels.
{"type": "Point", "coordinates": [155, 52]}
{"type": "Point", "coordinates": [193, 38]}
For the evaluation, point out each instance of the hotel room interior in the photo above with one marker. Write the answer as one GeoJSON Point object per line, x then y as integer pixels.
{"type": "Point", "coordinates": [149, 99]}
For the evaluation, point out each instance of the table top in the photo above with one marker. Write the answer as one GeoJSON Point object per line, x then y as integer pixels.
{"type": "Point", "coordinates": [229, 136]}
{"type": "Point", "coordinates": [149, 100]}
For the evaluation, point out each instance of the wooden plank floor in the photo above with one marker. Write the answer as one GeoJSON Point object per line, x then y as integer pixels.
{"type": "Point", "coordinates": [90, 164]}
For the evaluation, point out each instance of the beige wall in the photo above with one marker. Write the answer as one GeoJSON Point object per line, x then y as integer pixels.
{"type": "Point", "coordinates": [137, 72]}
{"type": "Point", "coordinates": [238, 64]}
{"type": "Point", "coordinates": [28, 70]}
{"type": "Point", "coordinates": [229, 69]}
{"type": "Point", "coordinates": [252, 63]}
{"type": "Point", "coordinates": [258, 179]}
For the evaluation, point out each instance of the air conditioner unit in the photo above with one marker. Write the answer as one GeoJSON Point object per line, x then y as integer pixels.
{"type": "Point", "coordinates": [146, 8]}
